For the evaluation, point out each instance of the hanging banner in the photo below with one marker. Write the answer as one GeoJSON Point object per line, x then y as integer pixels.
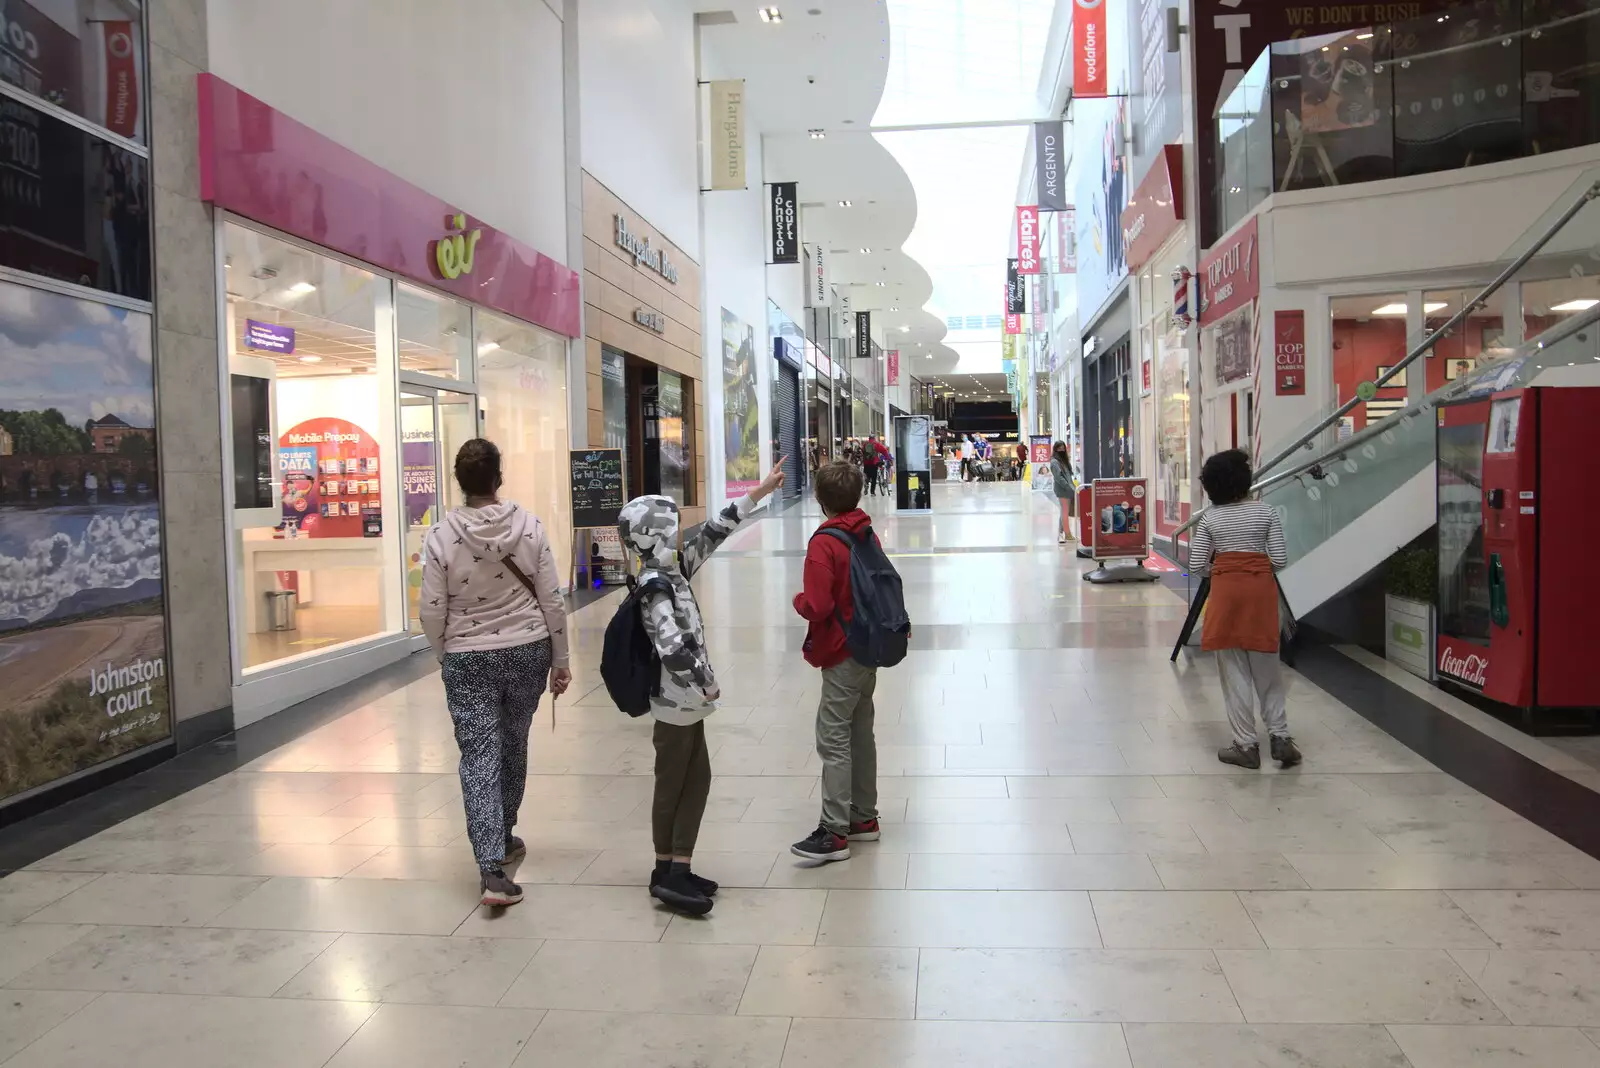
{"type": "Point", "coordinates": [1027, 239]}
{"type": "Point", "coordinates": [727, 134]}
{"type": "Point", "coordinates": [892, 367]}
{"type": "Point", "coordinates": [818, 292]}
{"type": "Point", "coordinates": [122, 78]}
{"type": "Point", "coordinates": [1067, 241]}
{"type": "Point", "coordinates": [1119, 519]}
{"type": "Point", "coordinates": [1289, 352]}
{"type": "Point", "coordinates": [863, 335]}
{"type": "Point", "coordinates": [785, 223]}
{"type": "Point", "coordinates": [1088, 48]}
{"type": "Point", "coordinates": [1014, 299]}
{"type": "Point", "coordinates": [1050, 172]}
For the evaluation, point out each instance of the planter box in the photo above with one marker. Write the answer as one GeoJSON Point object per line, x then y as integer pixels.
{"type": "Point", "coordinates": [1408, 635]}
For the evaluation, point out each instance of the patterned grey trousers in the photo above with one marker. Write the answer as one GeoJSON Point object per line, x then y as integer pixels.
{"type": "Point", "coordinates": [492, 695]}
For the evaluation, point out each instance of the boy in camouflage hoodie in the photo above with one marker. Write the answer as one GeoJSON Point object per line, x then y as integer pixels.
{"type": "Point", "coordinates": [688, 692]}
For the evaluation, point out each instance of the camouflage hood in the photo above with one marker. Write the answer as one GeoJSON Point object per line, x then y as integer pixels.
{"type": "Point", "coordinates": [648, 527]}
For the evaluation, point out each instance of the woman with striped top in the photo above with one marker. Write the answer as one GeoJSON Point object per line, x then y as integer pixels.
{"type": "Point", "coordinates": [1239, 544]}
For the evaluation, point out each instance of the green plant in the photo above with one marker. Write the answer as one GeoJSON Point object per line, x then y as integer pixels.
{"type": "Point", "coordinates": [1413, 574]}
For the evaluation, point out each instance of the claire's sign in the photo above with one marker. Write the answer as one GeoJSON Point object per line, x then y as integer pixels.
{"type": "Point", "coordinates": [1027, 239]}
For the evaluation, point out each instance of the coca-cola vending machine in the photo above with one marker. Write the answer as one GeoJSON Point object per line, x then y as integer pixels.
{"type": "Point", "coordinates": [1516, 507]}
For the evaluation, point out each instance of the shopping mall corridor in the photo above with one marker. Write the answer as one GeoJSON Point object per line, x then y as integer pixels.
{"type": "Point", "coordinates": [1067, 876]}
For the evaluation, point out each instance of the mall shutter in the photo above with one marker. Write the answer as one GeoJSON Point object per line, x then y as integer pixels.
{"type": "Point", "coordinates": [789, 428]}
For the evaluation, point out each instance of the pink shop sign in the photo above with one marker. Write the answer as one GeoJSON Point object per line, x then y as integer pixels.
{"type": "Point", "coordinates": [259, 163]}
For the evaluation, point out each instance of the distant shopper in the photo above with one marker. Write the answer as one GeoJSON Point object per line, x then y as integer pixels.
{"type": "Point", "coordinates": [491, 608]}
{"type": "Point", "coordinates": [688, 692]}
{"type": "Point", "coordinates": [1239, 544]}
{"type": "Point", "coordinates": [872, 463]}
{"type": "Point", "coordinates": [845, 740]}
{"type": "Point", "coordinates": [1062, 484]}
{"type": "Point", "coordinates": [969, 457]}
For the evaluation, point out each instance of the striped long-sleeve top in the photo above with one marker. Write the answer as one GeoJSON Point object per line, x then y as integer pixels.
{"type": "Point", "coordinates": [1241, 527]}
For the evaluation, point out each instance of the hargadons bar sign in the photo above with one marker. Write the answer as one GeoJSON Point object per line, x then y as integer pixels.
{"type": "Point", "coordinates": [643, 255]}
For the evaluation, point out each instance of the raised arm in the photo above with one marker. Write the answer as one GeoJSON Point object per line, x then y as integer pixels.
{"type": "Point", "coordinates": [715, 530]}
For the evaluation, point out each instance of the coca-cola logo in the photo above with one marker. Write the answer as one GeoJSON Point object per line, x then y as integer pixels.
{"type": "Point", "coordinates": [1471, 669]}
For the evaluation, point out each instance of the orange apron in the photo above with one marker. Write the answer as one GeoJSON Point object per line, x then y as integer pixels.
{"type": "Point", "coordinates": [1242, 610]}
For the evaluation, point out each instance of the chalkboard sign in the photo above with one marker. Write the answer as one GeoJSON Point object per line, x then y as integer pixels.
{"type": "Point", "coordinates": [596, 487]}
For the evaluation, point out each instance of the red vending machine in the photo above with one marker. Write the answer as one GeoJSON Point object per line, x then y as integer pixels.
{"type": "Point", "coordinates": [1517, 519]}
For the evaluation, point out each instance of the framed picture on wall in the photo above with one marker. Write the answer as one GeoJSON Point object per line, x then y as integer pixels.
{"type": "Point", "coordinates": [1377, 409]}
{"type": "Point", "coordinates": [1455, 368]}
{"type": "Point", "coordinates": [1397, 382]}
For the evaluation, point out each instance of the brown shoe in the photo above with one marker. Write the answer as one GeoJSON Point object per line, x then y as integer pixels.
{"type": "Point", "coordinates": [1244, 756]}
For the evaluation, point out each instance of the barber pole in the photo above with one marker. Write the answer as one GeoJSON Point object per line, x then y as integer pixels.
{"type": "Point", "coordinates": [1180, 298]}
{"type": "Point", "coordinates": [1255, 383]}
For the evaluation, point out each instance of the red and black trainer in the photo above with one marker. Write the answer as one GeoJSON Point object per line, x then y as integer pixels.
{"type": "Point", "coordinates": [865, 831]}
{"type": "Point", "coordinates": [823, 845]}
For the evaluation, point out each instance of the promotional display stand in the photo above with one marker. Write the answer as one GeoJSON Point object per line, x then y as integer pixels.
{"type": "Point", "coordinates": [913, 463]}
{"type": "Point", "coordinates": [1085, 526]}
{"type": "Point", "coordinates": [597, 497]}
{"type": "Point", "coordinates": [1121, 529]}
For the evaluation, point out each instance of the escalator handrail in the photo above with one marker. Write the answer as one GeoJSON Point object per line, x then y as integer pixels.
{"type": "Point", "coordinates": [1427, 343]}
{"type": "Point", "coordinates": [1450, 391]}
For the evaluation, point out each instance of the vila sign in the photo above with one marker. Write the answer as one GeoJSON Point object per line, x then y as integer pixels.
{"type": "Point", "coordinates": [864, 335]}
{"type": "Point", "coordinates": [1228, 275]}
{"type": "Point", "coordinates": [1088, 48]}
{"type": "Point", "coordinates": [1289, 349]}
{"type": "Point", "coordinates": [727, 135]}
{"type": "Point", "coordinates": [1047, 140]}
{"type": "Point", "coordinates": [643, 255]}
{"type": "Point", "coordinates": [1014, 299]}
{"type": "Point", "coordinates": [785, 223]}
{"type": "Point", "coordinates": [1027, 239]}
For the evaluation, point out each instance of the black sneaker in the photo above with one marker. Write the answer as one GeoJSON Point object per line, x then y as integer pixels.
{"type": "Point", "coordinates": [499, 891]}
{"type": "Point", "coordinates": [823, 845]}
{"type": "Point", "coordinates": [1285, 752]}
{"type": "Point", "coordinates": [1245, 756]}
{"type": "Point", "coordinates": [676, 891]}
{"type": "Point", "coordinates": [702, 884]}
{"type": "Point", "coordinates": [515, 849]}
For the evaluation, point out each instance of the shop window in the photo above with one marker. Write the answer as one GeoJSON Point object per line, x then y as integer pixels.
{"type": "Point", "coordinates": [1369, 336]}
{"type": "Point", "coordinates": [83, 674]}
{"type": "Point", "coordinates": [1546, 303]}
{"type": "Point", "coordinates": [86, 56]}
{"type": "Point", "coordinates": [522, 378]}
{"type": "Point", "coordinates": [435, 334]}
{"type": "Point", "coordinates": [318, 567]}
{"type": "Point", "coordinates": [1482, 337]}
{"type": "Point", "coordinates": [73, 206]}
{"type": "Point", "coordinates": [675, 425]}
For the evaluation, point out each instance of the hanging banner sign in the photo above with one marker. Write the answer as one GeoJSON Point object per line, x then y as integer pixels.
{"type": "Point", "coordinates": [1014, 299]}
{"type": "Point", "coordinates": [785, 223]}
{"type": "Point", "coordinates": [1027, 239]}
{"type": "Point", "coordinates": [727, 134]}
{"type": "Point", "coordinates": [892, 367]}
{"type": "Point", "coordinates": [1050, 173]}
{"type": "Point", "coordinates": [864, 335]}
{"type": "Point", "coordinates": [1118, 516]}
{"type": "Point", "coordinates": [1289, 349]}
{"type": "Point", "coordinates": [1088, 48]}
{"type": "Point", "coordinates": [818, 294]}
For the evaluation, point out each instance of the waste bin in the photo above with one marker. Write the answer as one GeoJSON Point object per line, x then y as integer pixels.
{"type": "Point", "coordinates": [281, 608]}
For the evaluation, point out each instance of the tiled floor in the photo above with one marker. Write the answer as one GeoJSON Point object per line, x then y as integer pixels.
{"type": "Point", "coordinates": [1067, 876]}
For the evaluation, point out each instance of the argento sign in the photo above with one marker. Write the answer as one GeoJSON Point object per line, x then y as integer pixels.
{"type": "Point", "coordinates": [643, 255]}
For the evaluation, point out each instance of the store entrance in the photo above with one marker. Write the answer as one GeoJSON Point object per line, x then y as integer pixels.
{"type": "Point", "coordinates": [659, 433]}
{"type": "Point", "coordinates": [433, 425]}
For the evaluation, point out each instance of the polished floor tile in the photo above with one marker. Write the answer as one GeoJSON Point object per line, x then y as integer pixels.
{"type": "Point", "coordinates": [427, 1036]}
{"type": "Point", "coordinates": [644, 1040]}
{"type": "Point", "coordinates": [634, 977]}
{"type": "Point", "coordinates": [1067, 876]}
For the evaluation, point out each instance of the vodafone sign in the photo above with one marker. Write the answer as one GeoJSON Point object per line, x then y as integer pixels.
{"type": "Point", "coordinates": [1089, 48]}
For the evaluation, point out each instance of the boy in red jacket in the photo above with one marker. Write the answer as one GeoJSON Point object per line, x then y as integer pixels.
{"type": "Point", "coordinates": [844, 717]}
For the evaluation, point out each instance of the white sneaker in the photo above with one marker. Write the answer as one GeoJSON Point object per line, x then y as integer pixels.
{"type": "Point", "coordinates": [1061, 539]}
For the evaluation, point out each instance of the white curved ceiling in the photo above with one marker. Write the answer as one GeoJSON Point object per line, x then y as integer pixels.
{"type": "Point", "coordinates": [933, 208]}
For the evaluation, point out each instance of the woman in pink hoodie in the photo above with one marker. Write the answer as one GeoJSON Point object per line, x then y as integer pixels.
{"type": "Point", "coordinates": [492, 610]}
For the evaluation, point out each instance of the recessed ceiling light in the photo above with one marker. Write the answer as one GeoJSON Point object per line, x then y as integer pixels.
{"type": "Point", "coordinates": [770, 14]}
{"type": "Point", "coordinates": [904, 329]}
{"type": "Point", "coordinates": [844, 204]}
{"type": "Point", "coordinates": [310, 359]}
{"type": "Point", "coordinates": [1581, 304]}
{"type": "Point", "coordinates": [301, 288]}
{"type": "Point", "coordinates": [488, 346]}
{"type": "Point", "coordinates": [865, 251]}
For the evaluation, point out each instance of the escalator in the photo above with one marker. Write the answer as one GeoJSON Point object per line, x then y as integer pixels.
{"type": "Point", "coordinates": [1347, 505]}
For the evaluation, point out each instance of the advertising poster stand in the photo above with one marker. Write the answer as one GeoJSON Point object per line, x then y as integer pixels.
{"type": "Point", "coordinates": [1121, 525]}
{"type": "Point", "coordinates": [1086, 522]}
{"type": "Point", "coordinates": [597, 497]}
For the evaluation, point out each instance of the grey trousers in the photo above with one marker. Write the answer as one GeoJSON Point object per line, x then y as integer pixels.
{"type": "Point", "coordinates": [845, 743]}
{"type": "Point", "coordinates": [1245, 677]}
